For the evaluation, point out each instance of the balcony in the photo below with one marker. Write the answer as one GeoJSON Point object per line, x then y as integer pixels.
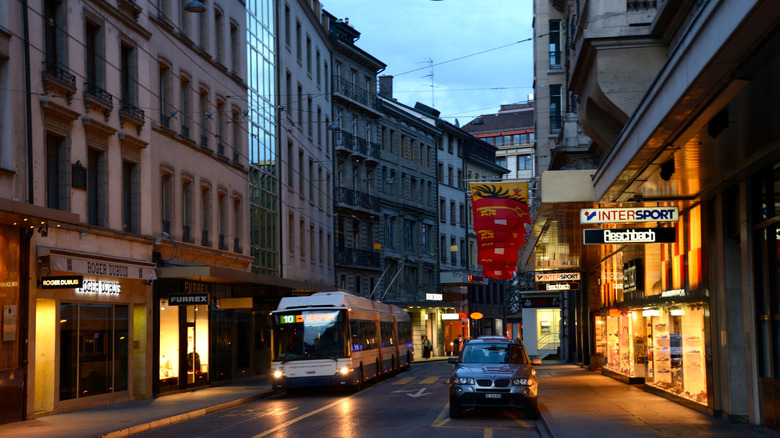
{"type": "Point", "coordinates": [222, 242]}
{"type": "Point", "coordinates": [354, 93]}
{"type": "Point", "coordinates": [98, 98]}
{"type": "Point", "coordinates": [186, 234]}
{"type": "Point", "coordinates": [131, 113]}
{"type": "Point", "coordinates": [58, 78]}
{"type": "Point", "coordinates": [237, 245]}
{"type": "Point", "coordinates": [204, 238]}
{"type": "Point", "coordinates": [353, 144]}
{"type": "Point", "coordinates": [354, 199]}
{"type": "Point", "coordinates": [166, 228]}
{"type": "Point", "coordinates": [357, 258]}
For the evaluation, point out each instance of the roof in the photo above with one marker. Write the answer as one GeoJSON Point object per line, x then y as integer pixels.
{"type": "Point", "coordinates": [503, 121]}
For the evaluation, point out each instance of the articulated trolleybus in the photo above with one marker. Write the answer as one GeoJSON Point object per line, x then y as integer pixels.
{"type": "Point", "coordinates": [336, 338]}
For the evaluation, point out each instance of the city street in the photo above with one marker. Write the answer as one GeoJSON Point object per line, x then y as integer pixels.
{"type": "Point", "coordinates": [411, 404]}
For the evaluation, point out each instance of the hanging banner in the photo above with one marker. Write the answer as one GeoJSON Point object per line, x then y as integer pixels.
{"type": "Point", "coordinates": [500, 214]}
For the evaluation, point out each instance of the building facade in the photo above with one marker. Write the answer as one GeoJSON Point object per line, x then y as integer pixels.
{"type": "Point", "coordinates": [669, 96]}
{"type": "Point", "coordinates": [306, 180]}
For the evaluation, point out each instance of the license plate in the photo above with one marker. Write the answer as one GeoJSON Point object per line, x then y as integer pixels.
{"type": "Point", "coordinates": [492, 395]}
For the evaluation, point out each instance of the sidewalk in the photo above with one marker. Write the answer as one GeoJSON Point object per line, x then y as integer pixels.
{"type": "Point", "coordinates": [578, 403]}
{"type": "Point", "coordinates": [125, 419]}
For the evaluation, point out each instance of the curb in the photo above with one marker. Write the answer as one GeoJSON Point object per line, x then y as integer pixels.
{"type": "Point", "coordinates": [145, 427]}
{"type": "Point", "coordinates": [542, 427]}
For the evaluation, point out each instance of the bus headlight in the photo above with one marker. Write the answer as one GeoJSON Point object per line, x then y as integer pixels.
{"type": "Point", "coordinates": [344, 371]}
{"type": "Point", "coordinates": [278, 374]}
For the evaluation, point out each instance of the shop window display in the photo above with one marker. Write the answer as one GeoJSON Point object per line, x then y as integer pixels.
{"type": "Point", "coordinates": [677, 351]}
{"type": "Point", "coordinates": [625, 351]}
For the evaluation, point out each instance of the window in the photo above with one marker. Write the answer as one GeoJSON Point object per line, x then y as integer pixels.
{"type": "Point", "coordinates": [205, 208]}
{"type": "Point", "coordinates": [555, 44]}
{"type": "Point", "coordinates": [298, 42]}
{"type": "Point", "coordinates": [235, 47]}
{"type": "Point", "coordinates": [54, 24]}
{"type": "Point", "coordinates": [319, 127]}
{"type": "Point", "coordinates": [203, 28]}
{"type": "Point", "coordinates": [128, 76]}
{"type": "Point", "coordinates": [310, 117]}
{"type": "Point", "coordinates": [310, 175]}
{"type": "Point", "coordinates": [450, 176]}
{"type": "Point", "coordinates": [95, 61]}
{"type": "Point", "coordinates": [442, 210]}
{"type": "Point", "coordinates": [300, 106]}
{"type": "Point", "coordinates": [291, 235]}
{"type": "Point", "coordinates": [389, 231]}
{"type": "Point", "coordinates": [165, 95]}
{"type": "Point", "coordinates": [443, 248]}
{"type": "Point", "coordinates": [238, 215]}
{"type": "Point", "coordinates": [219, 29]}
{"type": "Point", "coordinates": [524, 162]}
{"type": "Point", "coordinates": [441, 172]}
{"type": "Point", "coordinates": [308, 55]}
{"type": "Point", "coordinates": [452, 213]}
{"type": "Point", "coordinates": [186, 107]}
{"type": "Point", "coordinates": [94, 341]}
{"type": "Point", "coordinates": [130, 197]}
{"type": "Point", "coordinates": [462, 253]}
{"type": "Point", "coordinates": [461, 215]}
{"type": "Point", "coordinates": [319, 190]}
{"type": "Point", "coordinates": [460, 178]}
{"type": "Point", "coordinates": [555, 108]}
{"type": "Point", "coordinates": [57, 185]}
{"type": "Point", "coordinates": [301, 178]}
{"type": "Point", "coordinates": [237, 135]}
{"type": "Point", "coordinates": [221, 127]}
{"type": "Point", "coordinates": [96, 187]}
{"type": "Point", "coordinates": [327, 80]}
{"type": "Point", "coordinates": [302, 241]}
{"type": "Point", "coordinates": [318, 77]}
{"type": "Point", "coordinates": [167, 202]}
{"type": "Point", "coordinates": [205, 116]}
{"type": "Point", "coordinates": [288, 97]}
{"type": "Point", "coordinates": [453, 252]}
{"type": "Point", "coordinates": [321, 255]}
{"type": "Point", "coordinates": [222, 216]}
{"type": "Point", "coordinates": [290, 165]}
{"type": "Point", "coordinates": [187, 211]}
{"type": "Point", "coordinates": [312, 244]}
{"type": "Point", "coordinates": [287, 27]}
{"type": "Point", "coordinates": [408, 235]}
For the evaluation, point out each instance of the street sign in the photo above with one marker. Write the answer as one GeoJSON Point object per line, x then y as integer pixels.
{"type": "Point", "coordinates": [599, 236]}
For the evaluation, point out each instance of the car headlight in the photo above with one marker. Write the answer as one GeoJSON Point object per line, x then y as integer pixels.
{"type": "Point", "coordinates": [464, 380]}
{"type": "Point", "coordinates": [520, 382]}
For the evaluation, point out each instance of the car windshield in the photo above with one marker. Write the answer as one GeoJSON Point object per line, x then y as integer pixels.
{"type": "Point", "coordinates": [494, 353]}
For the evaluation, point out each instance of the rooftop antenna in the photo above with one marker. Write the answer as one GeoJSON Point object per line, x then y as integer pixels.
{"type": "Point", "coordinates": [429, 61]}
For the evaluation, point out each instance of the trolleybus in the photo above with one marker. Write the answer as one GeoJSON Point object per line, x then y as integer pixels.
{"type": "Point", "coordinates": [336, 338]}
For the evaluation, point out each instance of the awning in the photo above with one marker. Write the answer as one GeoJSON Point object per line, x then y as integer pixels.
{"type": "Point", "coordinates": [62, 260]}
{"type": "Point", "coordinates": [219, 274]}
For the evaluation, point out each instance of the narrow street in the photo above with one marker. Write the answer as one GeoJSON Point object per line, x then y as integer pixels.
{"type": "Point", "coordinates": [411, 404]}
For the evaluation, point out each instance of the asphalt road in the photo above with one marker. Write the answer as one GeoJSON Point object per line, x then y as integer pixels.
{"type": "Point", "coordinates": [409, 405]}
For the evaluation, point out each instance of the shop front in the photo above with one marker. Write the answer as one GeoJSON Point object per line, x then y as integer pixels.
{"type": "Point", "coordinates": [89, 330]}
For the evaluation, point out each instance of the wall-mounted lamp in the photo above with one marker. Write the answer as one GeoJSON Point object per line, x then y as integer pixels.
{"type": "Point", "coordinates": [390, 181]}
{"type": "Point", "coordinates": [173, 113]}
{"type": "Point", "coordinates": [245, 112]}
{"type": "Point", "coordinates": [281, 107]}
{"type": "Point", "coordinates": [195, 6]}
{"type": "Point", "coordinates": [667, 169]}
{"type": "Point", "coordinates": [334, 127]}
{"type": "Point", "coordinates": [209, 114]}
{"type": "Point", "coordinates": [43, 230]}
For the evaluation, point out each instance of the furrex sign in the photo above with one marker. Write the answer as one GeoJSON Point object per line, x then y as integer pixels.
{"type": "Point", "coordinates": [622, 215]}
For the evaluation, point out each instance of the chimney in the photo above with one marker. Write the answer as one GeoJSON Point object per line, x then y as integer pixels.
{"type": "Point", "coordinates": [386, 86]}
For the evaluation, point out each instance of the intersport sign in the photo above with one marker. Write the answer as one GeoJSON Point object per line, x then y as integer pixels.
{"type": "Point", "coordinates": [623, 215]}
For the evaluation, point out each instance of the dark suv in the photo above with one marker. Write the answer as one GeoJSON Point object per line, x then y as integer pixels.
{"type": "Point", "coordinates": [493, 371]}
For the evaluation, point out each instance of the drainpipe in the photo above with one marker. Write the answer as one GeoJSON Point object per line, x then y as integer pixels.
{"type": "Point", "coordinates": [25, 234]}
{"type": "Point", "coordinates": [28, 102]}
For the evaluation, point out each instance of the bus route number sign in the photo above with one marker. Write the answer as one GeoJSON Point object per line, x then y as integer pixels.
{"type": "Point", "coordinates": [290, 319]}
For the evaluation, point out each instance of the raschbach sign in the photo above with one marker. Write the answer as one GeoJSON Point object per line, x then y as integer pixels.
{"type": "Point", "coordinates": [628, 235]}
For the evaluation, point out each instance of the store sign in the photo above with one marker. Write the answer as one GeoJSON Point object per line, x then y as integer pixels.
{"type": "Point", "coordinates": [561, 276]}
{"type": "Point", "coordinates": [531, 303]}
{"type": "Point", "coordinates": [475, 278]}
{"type": "Point", "coordinates": [631, 273]}
{"type": "Point", "coordinates": [571, 285]}
{"type": "Point", "coordinates": [601, 236]}
{"type": "Point", "coordinates": [195, 287]}
{"type": "Point", "coordinates": [622, 215]}
{"type": "Point", "coordinates": [450, 317]}
{"type": "Point", "coordinates": [62, 282]}
{"type": "Point", "coordinates": [187, 299]}
{"type": "Point", "coordinates": [434, 297]}
{"type": "Point", "coordinates": [673, 293]}
{"type": "Point", "coordinates": [100, 287]}
{"type": "Point", "coordinates": [83, 265]}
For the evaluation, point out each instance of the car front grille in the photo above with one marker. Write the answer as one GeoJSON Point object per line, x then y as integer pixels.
{"type": "Point", "coordinates": [499, 383]}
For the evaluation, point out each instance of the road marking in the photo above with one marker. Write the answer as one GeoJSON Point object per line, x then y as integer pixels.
{"type": "Point", "coordinates": [305, 416]}
{"type": "Point", "coordinates": [404, 381]}
{"type": "Point", "coordinates": [417, 393]}
{"type": "Point", "coordinates": [443, 418]}
{"type": "Point", "coordinates": [429, 380]}
{"type": "Point", "coordinates": [488, 433]}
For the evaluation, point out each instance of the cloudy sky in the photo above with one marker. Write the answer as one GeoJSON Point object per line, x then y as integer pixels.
{"type": "Point", "coordinates": [477, 48]}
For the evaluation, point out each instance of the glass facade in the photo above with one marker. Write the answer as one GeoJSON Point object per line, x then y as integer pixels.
{"type": "Point", "coordinates": [263, 157]}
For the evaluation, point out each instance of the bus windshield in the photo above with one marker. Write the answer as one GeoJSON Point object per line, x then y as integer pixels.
{"type": "Point", "coordinates": [309, 334]}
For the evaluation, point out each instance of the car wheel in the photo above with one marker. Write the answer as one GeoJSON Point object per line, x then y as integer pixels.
{"type": "Point", "coordinates": [456, 411]}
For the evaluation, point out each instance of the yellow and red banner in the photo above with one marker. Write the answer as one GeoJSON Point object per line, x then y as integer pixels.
{"type": "Point", "coordinates": [500, 214]}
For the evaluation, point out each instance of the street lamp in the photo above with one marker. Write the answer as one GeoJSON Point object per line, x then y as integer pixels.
{"type": "Point", "coordinates": [195, 6]}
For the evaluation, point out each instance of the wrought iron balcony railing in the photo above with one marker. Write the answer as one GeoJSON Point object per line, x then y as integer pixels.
{"type": "Point", "coordinates": [354, 198]}
{"type": "Point", "coordinates": [352, 91]}
{"type": "Point", "coordinates": [362, 258]}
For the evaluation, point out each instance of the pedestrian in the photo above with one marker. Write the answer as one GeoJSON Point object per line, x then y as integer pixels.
{"type": "Point", "coordinates": [427, 347]}
{"type": "Point", "coordinates": [456, 346]}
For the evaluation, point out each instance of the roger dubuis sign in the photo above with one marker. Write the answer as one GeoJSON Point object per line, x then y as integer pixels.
{"type": "Point", "coordinates": [628, 236]}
